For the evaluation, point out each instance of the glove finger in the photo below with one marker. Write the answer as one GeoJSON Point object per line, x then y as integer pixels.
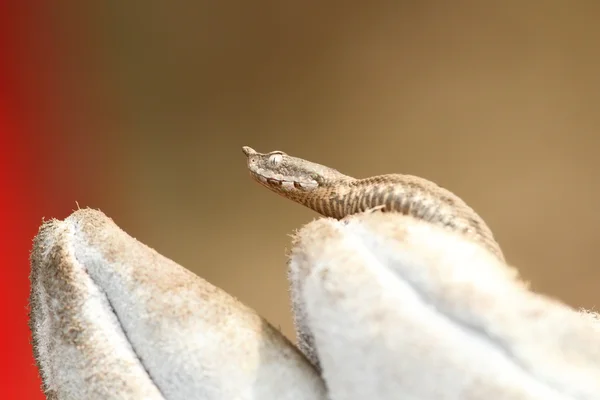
{"type": "Point", "coordinates": [112, 318]}
{"type": "Point", "coordinates": [375, 332]}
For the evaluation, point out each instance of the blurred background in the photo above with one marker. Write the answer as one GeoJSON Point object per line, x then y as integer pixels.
{"type": "Point", "coordinates": [140, 109]}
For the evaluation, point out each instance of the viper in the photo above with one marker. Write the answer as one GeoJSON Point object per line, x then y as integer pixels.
{"type": "Point", "coordinates": [333, 194]}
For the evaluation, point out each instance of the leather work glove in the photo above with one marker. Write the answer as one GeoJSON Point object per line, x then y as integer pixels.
{"type": "Point", "coordinates": [385, 307]}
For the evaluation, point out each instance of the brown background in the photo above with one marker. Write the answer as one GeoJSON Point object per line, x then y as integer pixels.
{"type": "Point", "coordinates": [497, 101]}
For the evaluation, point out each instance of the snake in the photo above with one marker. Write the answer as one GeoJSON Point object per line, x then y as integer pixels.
{"type": "Point", "coordinates": [333, 194]}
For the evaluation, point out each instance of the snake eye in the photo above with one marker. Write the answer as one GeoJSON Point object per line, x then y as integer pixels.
{"type": "Point", "coordinates": [316, 177]}
{"type": "Point", "coordinates": [275, 159]}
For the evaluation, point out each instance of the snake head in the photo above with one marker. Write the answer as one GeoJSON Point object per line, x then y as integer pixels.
{"type": "Point", "coordinates": [286, 174]}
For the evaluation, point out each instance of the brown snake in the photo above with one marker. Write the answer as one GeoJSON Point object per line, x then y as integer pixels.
{"type": "Point", "coordinates": [333, 194]}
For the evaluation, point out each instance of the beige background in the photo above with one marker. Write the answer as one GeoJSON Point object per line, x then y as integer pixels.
{"type": "Point", "coordinates": [497, 101]}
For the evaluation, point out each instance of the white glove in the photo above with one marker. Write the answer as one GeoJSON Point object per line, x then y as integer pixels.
{"type": "Point", "coordinates": [396, 308]}
{"type": "Point", "coordinates": [386, 307]}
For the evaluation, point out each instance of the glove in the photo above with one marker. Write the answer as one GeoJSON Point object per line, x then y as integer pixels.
{"type": "Point", "coordinates": [385, 307]}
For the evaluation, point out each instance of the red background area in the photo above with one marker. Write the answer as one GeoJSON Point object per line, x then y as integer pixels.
{"type": "Point", "coordinates": [19, 167]}
{"type": "Point", "coordinates": [33, 148]}
{"type": "Point", "coordinates": [49, 156]}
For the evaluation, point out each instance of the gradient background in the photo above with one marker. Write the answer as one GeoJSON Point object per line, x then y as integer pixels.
{"type": "Point", "coordinates": [140, 109]}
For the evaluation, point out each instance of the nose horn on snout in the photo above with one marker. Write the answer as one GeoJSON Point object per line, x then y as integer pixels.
{"type": "Point", "coordinates": [248, 151]}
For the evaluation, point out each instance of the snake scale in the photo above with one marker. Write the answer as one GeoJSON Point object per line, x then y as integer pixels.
{"type": "Point", "coordinates": [333, 194]}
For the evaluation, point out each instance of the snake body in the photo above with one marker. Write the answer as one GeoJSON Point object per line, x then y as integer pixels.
{"type": "Point", "coordinates": [333, 194]}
